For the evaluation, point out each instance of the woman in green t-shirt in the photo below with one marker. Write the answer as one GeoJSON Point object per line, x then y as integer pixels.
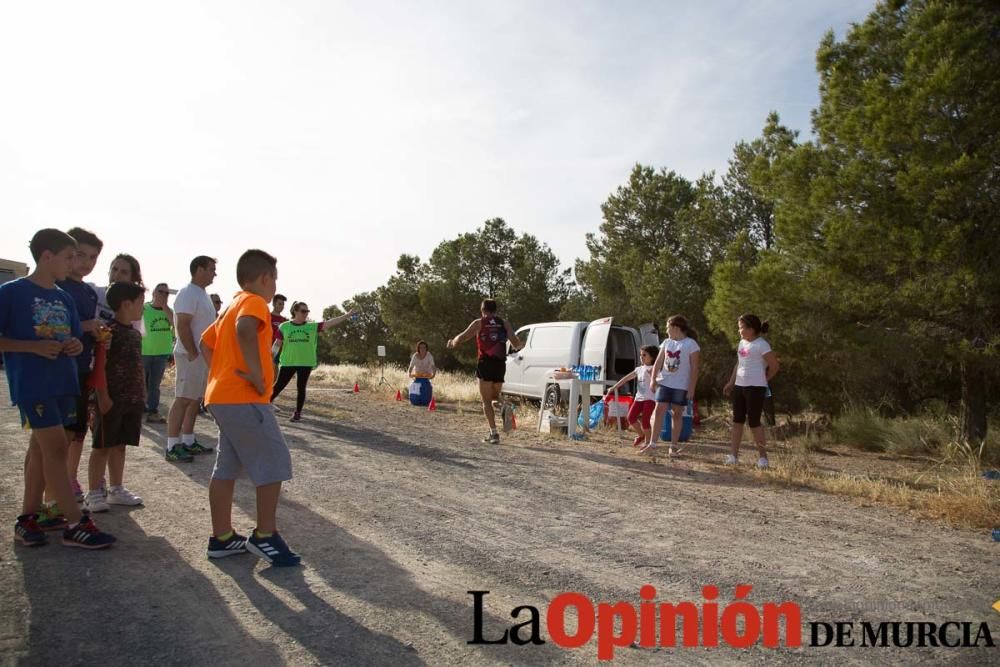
{"type": "Point", "coordinates": [297, 342]}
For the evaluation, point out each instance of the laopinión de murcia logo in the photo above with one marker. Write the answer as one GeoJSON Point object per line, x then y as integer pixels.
{"type": "Point", "coordinates": [737, 624]}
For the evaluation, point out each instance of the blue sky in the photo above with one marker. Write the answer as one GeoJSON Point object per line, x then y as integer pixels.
{"type": "Point", "coordinates": [338, 136]}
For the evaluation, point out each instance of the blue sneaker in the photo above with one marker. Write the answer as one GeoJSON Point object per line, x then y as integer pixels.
{"type": "Point", "coordinates": [272, 549]}
{"type": "Point", "coordinates": [86, 535]}
{"type": "Point", "coordinates": [28, 532]}
{"type": "Point", "coordinates": [236, 544]}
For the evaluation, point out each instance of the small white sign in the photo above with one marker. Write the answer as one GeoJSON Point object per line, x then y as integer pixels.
{"type": "Point", "coordinates": [381, 350]}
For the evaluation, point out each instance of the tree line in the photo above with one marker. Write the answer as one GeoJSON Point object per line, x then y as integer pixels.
{"type": "Point", "coordinates": [872, 247]}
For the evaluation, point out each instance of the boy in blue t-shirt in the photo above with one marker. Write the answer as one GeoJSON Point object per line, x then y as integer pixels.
{"type": "Point", "coordinates": [40, 338]}
{"type": "Point", "coordinates": [88, 249]}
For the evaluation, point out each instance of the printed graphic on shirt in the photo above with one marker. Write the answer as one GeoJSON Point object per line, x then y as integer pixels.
{"type": "Point", "coordinates": [492, 338]}
{"type": "Point", "coordinates": [673, 361]}
{"type": "Point", "coordinates": [744, 352]}
{"type": "Point", "coordinates": [51, 319]}
{"type": "Point", "coordinates": [298, 336]}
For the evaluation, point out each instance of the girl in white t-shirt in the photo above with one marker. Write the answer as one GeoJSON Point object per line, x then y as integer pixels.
{"type": "Point", "coordinates": [641, 411]}
{"type": "Point", "coordinates": [756, 364]}
{"type": "Point", "coordinates": [675, 375]}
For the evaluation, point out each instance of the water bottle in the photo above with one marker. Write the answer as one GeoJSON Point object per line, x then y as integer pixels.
{"type": "Point", "coordinates": [597, 373]}
{"type": "Point", "coordinates": [996, 534]}
{"type": "Point", "coordinates": [991, 474]}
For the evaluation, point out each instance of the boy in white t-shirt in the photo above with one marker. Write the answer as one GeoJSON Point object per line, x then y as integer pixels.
{"type": "Point", "coordinates": [675, 376]}
{"type": "Point", "coordinates": [641, 411]}
{"type": "Point", "coordinates": [756, 364]}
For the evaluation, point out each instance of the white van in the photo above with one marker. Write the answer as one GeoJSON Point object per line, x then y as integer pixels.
{"type": "Point", "coordinates": [551, 345]}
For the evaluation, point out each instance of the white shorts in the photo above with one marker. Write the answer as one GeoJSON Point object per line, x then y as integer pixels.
{"type": "Point", "coordinates": [192, 377]}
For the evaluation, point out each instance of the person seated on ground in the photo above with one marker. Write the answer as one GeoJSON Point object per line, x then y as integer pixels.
{"type": "Point", "coordinates": [422, 363]}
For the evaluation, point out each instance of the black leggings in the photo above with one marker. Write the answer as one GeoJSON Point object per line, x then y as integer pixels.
{"type": "Point", "coordinates": [285, 374]}
{"type": "Point", "coordinates": [748, 403]}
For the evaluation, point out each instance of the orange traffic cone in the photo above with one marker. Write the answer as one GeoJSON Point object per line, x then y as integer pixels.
{"type": "Point", "coordinates": [433, 405]}
{"type": "Point", "coordinates": [399, 395]}
{"type": "Point", "coordinates": [356, 388]}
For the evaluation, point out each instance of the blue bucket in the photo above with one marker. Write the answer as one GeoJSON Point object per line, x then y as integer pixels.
{"type": "Point", "coordinates": [420, 391]}
{"type": "Point", "coordinates": [687, 426]}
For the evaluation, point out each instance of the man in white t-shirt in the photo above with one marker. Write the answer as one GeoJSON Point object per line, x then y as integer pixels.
{"type": "Point", "coordinates": [193, 313]}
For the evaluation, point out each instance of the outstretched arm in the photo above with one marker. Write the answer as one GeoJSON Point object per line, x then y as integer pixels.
{"type": "Point", "coordinates": [512, 337]}
{"type": "Point", "coordinates": [470, 332]}
{"type": "Point", "coordinates": [334, 321]}
{"type": "Point", "coordinates": [628, 378]}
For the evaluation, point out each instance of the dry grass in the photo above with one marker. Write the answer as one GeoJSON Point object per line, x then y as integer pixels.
{"type": "Point", "coordinates": [951, 489]}
{"type": "Point", "coordinates": [447, 386]}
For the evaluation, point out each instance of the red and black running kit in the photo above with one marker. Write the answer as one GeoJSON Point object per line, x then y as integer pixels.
{"type": "Point", "coordinates": [492, 346]}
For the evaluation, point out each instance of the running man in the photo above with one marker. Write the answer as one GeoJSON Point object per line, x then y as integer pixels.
{"type": "Point", "coordinates": [491, 334]}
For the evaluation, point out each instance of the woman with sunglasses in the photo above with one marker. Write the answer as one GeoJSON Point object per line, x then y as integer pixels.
{"type": "Point", "coordinates": [299, 338]}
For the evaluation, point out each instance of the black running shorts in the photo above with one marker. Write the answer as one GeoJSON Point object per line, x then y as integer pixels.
{"type": "Point", "coordinates": [491, 369]}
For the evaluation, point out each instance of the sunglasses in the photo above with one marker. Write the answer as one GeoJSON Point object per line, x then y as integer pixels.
{"type": "Point", "coordinates": [162, 291]}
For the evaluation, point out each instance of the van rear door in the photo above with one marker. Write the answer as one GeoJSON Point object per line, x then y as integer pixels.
{"type": "Point", "coordinates": [649, 335]}
{"type": "Point", "coordinates": [595, 348]}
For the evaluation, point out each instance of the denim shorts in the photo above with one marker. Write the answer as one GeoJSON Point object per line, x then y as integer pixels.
{"type": "Point", "coordinates": [671, 395]}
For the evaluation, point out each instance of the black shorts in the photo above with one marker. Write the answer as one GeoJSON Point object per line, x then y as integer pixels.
{"type": "Point", "coordinates": [79, 427]}
{"type": "Point", "coordinates": [748, 403]}
{"type": "Point", "coordinates": [121, 426]}
{"type": "Point", "coordinates": [491, 369]}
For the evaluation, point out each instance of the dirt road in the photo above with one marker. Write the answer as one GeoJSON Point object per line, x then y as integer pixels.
{"type": "Point", "coordinates": [398, 512]}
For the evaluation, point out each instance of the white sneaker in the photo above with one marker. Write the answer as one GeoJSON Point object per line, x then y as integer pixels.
{"type": "Point", "coordinates": [762, 463]}
{"type": "Point", "coordinates": [730, 460]}
{"type": "Point", "coordinates": [122, 496]}
{"type": "Point", "coordinates": [648, 448]}
{"type": "Point", "coordinates": [95, 502]}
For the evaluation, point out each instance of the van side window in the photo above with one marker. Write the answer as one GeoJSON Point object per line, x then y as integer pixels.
{"type": "Point", "coordinates": [550, 338]}
{"type": "Point", "coordinates": [523, 333]}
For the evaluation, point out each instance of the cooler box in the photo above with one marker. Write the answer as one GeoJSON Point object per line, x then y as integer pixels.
{"type": "Point", "coordinates": [687, 425]}
{"type": "Point", "coordinates": [618, 410]}
{"type": "Point", "coordinates": [420, 392]}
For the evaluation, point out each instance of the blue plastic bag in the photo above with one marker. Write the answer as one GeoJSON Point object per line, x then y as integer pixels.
{"type": "Point", "coordinates": [596, 412]}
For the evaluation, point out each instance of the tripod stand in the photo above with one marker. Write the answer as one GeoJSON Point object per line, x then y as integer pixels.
{"type": "Point", "coordinates": [381, 380]}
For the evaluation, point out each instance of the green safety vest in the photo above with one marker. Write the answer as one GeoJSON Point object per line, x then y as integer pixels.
{"type": "Point", "coordinates": [159, 338]}
{"type": "Point", "coordinates": [298, 347]}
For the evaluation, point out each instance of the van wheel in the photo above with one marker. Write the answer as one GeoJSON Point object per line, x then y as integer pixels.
{"type": "Point", "coordinates": [551, 400]}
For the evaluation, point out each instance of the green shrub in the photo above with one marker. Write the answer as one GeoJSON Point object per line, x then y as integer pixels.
{"type": "Point", "coordinates": [862, 428]}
